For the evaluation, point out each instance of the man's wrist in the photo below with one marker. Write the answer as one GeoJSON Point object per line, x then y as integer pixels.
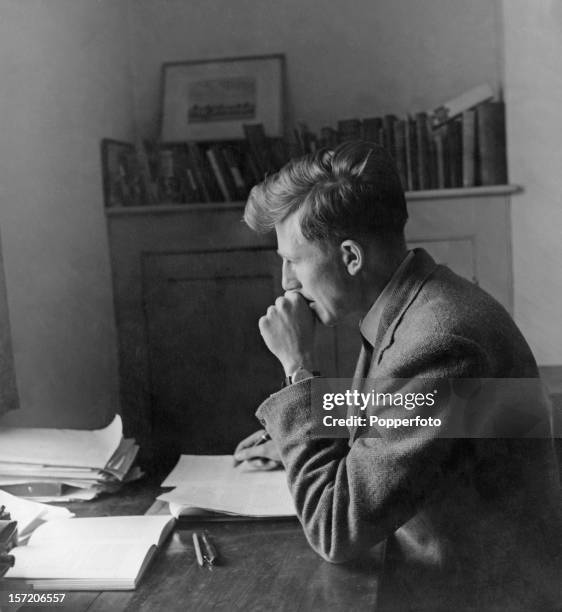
{"type": "Point", "coordinates": [301, 373]}
{"type": "Point", "coordinates": [306, 363]}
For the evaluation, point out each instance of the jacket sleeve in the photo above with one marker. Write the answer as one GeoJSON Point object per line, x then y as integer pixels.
{"type": "Point", "coordinates": [351, 497]}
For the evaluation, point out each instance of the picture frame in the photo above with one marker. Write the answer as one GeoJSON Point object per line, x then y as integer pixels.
{"type": "Point", "coordinates": [122, 181]}
{"type": "Point", "coordinates": [211, 99]}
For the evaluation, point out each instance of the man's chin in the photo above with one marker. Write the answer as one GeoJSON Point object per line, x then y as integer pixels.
{"type": "Point", "coordinates": [324, 317]}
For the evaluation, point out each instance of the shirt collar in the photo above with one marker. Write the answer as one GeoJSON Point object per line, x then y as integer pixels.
{"type": "Point", "coordinates": [370, 323]}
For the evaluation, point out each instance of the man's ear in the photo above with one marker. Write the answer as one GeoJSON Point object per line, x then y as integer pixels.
{"type": "Point", "coordinates": [353, 256]}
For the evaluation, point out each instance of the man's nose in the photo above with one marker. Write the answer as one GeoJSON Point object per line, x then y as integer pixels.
{"type": "Point", "coordinates": [289, 281]}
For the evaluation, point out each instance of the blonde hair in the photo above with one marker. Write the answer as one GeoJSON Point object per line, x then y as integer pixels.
{"type": "Point", "coordinates": [351, 191]}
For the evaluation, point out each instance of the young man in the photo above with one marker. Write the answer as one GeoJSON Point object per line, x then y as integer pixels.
{"type": "Point", "coordinates": [469, 522]}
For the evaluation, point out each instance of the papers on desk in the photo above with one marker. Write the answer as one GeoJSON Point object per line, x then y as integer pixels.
{"type": "Point", "coordinates": [29, 514]}
{"type": "Point", "coordinates": [101, 553]}
{"type": "Point", "coordinates": [47, 464]}
{"type": "Point", "coordinates": [212, 483]}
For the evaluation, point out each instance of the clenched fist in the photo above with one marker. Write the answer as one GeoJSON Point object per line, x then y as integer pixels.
{"type": "Point", "coordinates": [288, 332]}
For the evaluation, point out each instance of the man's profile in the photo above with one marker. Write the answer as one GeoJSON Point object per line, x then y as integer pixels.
{"type": "Point", "coordinates": [466, 523]}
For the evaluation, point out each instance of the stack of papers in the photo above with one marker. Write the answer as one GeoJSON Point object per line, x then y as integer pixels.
{"type": "Point", "coordinates": [211, 483]}
{"type": "Point", "coordinates": [66, 464]}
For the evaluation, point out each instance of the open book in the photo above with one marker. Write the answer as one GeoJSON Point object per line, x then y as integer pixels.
{"type": "Point", "coordinates": [209, 485]}
{"type": "Point", "coordinates": [101, 553]}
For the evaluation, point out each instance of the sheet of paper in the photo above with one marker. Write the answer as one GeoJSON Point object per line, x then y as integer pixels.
{"type": "Point", "coordinates": [213, 483]}
{"type": "Point", "coordinates": [30, 514]}
{"type": "Point", "coordinates": [212, 468]}
{"type": "Point", "coordinates": [61, 447]}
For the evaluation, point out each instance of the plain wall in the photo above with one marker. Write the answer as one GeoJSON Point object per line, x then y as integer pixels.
{"type": "Point", "coordinates": [65, 84]}
{"type": "Point", "coordinates": [533, 86]}
{"type": "Point", "coordinates": [344, 59]}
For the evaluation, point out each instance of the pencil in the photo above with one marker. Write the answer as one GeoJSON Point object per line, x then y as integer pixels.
{"type": "Point", "coordinates": [197, 548]}
{"type": "Point", "coordinates": [262, 440]}
{"type": "Point", "coordinates": [210, 555]}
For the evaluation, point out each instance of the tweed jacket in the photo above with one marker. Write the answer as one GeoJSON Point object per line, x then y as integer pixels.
{"type": "Point", "coordinates": [471, 524]}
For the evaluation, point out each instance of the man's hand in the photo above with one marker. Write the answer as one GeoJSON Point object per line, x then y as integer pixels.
{"type": "Point", "coordinates": [288, 331]}
{"type": "Point", "coordinates": [260, 456]}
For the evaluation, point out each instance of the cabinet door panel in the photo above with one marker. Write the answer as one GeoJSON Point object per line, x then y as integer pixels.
{"type": "Point", "coordinates": [209, 366]}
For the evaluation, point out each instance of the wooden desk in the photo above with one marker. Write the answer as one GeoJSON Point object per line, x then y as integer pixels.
{"type": "Point", "coordinates": [264, 566]}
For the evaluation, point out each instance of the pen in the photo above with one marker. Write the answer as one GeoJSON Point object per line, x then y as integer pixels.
{"type": "Point", "coordinates": [264, 438]}
{"type": "Point", "coordinates": [197, 547]}
{"type": "Point", "coordinates": [210, 555]}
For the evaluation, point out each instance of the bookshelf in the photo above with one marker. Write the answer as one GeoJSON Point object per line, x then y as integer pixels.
{"type": "Point", "coordinates": [174, 264]}
{"type": "Point", "coordinates": [411, 196]}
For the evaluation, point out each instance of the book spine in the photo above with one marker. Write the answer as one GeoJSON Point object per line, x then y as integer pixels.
{"type": "Point", "coordinates": [168, 181]}
{"type": "Point", "coordinates": [372, 129]}
{"type": "Point", "coordinates": [349, 129]}
{"type": "Point", "coordinates": [231, 160]}
{"type": "Point", "coordinates": [411, 155]}
{"type": "Point", "coordinates": [492, 143]}
{"type": "Point", "coordinates": [469, 148]}
{"type": "Point", "coordinates": [259, 147]}
{"type": "Point", "coordinates": [454, 142]}
{"type": "Point", "coordinates": [212, 156]}
{"type": "Point", "coordinates": [423, 152]}
{"type": "Point", "coordinates": [329, 137]}
{"type": "Point", "coordinates": [400, 148]}
{"type": "Point", "coordinates": [388, 134]}
{"type": "Point", "coordinates": [197, 167]}
{"type": "Point", "coordinates": [440, 143]}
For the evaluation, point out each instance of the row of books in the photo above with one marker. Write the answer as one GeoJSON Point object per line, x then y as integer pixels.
{"type": "Point", "coordinates": [462, 143]}
{"type": "Point", "coordinates": [196, 172]}
{"type": "Point", "coordinates": [466, 150]}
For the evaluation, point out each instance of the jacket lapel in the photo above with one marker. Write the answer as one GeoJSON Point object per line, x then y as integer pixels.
{"type": "Point", "coordinates": [420, 267]}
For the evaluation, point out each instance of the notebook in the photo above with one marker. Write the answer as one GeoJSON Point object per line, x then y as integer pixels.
{"type": "Point", "coordinates": [100, 553]}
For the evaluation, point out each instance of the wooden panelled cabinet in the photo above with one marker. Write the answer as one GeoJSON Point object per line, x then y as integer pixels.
{"type": "Point", "coordinates": [191, 281]}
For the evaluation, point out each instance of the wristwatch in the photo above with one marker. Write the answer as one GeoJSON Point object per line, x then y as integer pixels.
{"type": "Point", "coordinates": [301, 373]}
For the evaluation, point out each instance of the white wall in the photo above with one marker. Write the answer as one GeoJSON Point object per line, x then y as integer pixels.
{"type": "Point", "coordinates": [533, 76]}
{"type": "Point", "coordinates": [65, 84]}
{"type": "Point", "coordinates": [344, 59]}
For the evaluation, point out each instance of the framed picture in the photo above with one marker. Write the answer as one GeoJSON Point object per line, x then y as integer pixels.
{"type": "Point", "coordinates": [122, 182]}
{"type": "Point", "coordinates": [212, 99]}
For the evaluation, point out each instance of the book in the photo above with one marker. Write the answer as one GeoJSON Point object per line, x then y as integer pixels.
{"type": "Point", "coordinates": [388, 133]}
{"type": "Point", "coordinates": [454, 152]}
{"type": "Point", "coordinates": [203, 173]}
{"type": "Point", "coordinates": [441, 160]}
{"type": "Point", "coordinates": [259, 149]}
{"type": "Point", "coordinates": [100, 553]}
{"type": "Point", "coordinates": [455, 107]}
{"type": "Point", "coordinates": [224, 180]}
{"type": "Point", "coordinates": [234, 165]}
{"type": "Point", "coordinates": [328, 137]}
{"type": "Point", "coordinates": [349, 129]}
{"type": "Point", "coordinates": [492, 143]}
{"type": "Point", "coordinates": [411, 155]}
{"type": "Point", "coordinates": [469, 148]}
{"type": "Point", "coordinates": [423, 152]}
{"type": "Point", "coordinates": [400, 150]}
{"type": "Point", "coordinates": [372, 130]}
{"type": "Point", "coordinates": [211, 483]}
